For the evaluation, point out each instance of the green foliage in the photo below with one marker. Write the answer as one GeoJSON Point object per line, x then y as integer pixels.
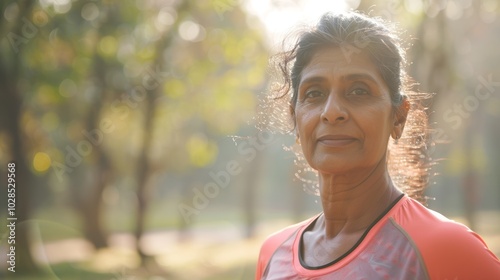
{"type": "Point", "coordinates": [92, 53]}
{"type": "Point", "coordinates": [86, 72]}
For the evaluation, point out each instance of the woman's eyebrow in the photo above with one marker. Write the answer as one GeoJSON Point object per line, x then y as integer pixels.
{"type": "Point", "coordinates": [348, 77]}
{"type": "Point", "coordinates": [359, 76]}
{"type": "Point", "coordinates": [312, 80]}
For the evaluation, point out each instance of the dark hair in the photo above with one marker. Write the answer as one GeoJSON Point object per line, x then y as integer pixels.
{"type": "Point", "coordinates": [356, 33]}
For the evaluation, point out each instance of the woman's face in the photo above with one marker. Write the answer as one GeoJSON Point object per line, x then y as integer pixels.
{"type": "Point", "coordinates": [343, 112]}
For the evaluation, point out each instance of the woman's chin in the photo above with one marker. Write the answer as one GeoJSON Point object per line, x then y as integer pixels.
{"type": "Point", "coordinates": [333, 167]}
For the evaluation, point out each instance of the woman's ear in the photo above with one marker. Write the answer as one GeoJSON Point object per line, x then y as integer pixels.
{"type": "Point", "coordinates": [400, 118]}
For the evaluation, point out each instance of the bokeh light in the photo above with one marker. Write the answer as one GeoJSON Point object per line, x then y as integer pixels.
{"type": "Point", "coordinates": [41, 162]}
{"type": "Point", "coordinates": [90, 11]}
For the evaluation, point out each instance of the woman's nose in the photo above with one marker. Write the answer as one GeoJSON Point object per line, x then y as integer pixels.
{"type": "Point", "coordinates": [334, 110]}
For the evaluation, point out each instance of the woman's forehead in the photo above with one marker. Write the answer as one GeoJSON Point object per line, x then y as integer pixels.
{"type": "Point", "coordinates": [336, 62]}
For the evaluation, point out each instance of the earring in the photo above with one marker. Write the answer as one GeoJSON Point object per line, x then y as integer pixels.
{"type": "Point", "coordinates": [297, 140]}
{"type": "Point", "coordinates": [395, 137]}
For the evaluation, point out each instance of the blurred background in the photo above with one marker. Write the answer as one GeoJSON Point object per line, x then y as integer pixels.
{"type": "Point", "coordinates": [132, 125]}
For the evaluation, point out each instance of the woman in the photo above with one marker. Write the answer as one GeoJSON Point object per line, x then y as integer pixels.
{"type": "Point", "coordinates": [348, 95]}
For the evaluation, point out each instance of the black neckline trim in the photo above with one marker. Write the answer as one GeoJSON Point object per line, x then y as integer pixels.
{"type": "Point", "coordinates": [309, 227]}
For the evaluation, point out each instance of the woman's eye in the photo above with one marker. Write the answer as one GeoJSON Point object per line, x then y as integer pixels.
{"type": "Point", "coordinates": [358, 91]}
{"type": "Point", "coordinates": [313, 94]}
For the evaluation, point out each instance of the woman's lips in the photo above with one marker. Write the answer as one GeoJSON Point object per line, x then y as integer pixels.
{"type": "Point", "coordinates": [336, 140]}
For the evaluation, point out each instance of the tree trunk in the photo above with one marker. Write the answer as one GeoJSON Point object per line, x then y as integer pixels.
{"type": "Point", "coordinates": [11, 110]}
{"type": "Point", "coordinates": [143, 167]}
{"type": "Point", "coordinates": [470, 182]}
{"type": "Point", "coordinates": [24, 259]}
{"type": "Point", "coordinates": [91, 207]}
{"type": "Point", "coordinates": [90, 202]}
{"type": "Point", "coordinates": [143, 172]}
{"type": "Point", "coordinates": [249, 195]}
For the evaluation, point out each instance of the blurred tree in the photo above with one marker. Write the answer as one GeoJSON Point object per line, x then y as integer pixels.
{"type": "Point", "coordinates": [436, 72]}
{"type": "Point", "coordinates": [80, 50]}
{"type": "Point", "coordinates": [126, 90]}
{"type": "Point", "coordinates": [90, 203]}
{"type": "Point", "coordinates": [249, 195]}
{"type": "Point", "coordinates": [11, 71]}
{"type": "Point", "coordinates": [150, 111]}
{"type": "Point", "coordinates": [215, 74]}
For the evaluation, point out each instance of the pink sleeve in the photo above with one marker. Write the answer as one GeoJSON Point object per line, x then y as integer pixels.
{"type": "Point", "coordinates": [268, 248]}
{"type": "Point", "coordinates": [448, 249]}
{"type": "Point", "coordinates": [273, 242]}
{"type": "Point", "coordinates": [460, 253]}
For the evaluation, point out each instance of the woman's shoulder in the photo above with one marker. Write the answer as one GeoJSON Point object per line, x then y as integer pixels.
{"type": "Point", "coordinates": [412, 215]}
{"type": "Point", "coordinates": [273, 241]}
{"type": "Point", "coordinates": [446, 247]}
{"type": "Point", "coordinates": [422, 223]}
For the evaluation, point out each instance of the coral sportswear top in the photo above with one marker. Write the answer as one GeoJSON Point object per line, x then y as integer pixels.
{"type": "Point", "coordinates": [408, 241]}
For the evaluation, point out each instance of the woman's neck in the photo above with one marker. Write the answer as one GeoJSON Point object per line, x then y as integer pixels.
{"type": "Point", "coordinates": [351, 202]}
